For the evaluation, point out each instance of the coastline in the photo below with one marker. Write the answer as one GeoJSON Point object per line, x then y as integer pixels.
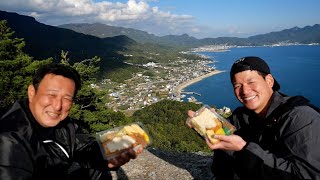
{"type": "Point", "coordinates": [181, 86]}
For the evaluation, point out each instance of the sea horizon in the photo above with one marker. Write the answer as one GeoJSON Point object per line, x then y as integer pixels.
{"type": "Point", "coordinates": [296, 68]}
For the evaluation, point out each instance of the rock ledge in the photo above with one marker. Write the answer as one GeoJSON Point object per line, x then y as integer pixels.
{"type": "Point", "coordinates": [154, 164]}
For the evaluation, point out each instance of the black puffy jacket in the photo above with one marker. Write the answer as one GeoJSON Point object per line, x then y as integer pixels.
{"type": "Point", "coordinates": [289, 149]}
{"type": "Point", "coordinates": [29, 151]}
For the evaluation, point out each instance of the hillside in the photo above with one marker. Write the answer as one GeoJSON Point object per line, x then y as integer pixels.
{"type": "Point", "coordinates": [103, 31]}
{"type": "Point", "coordinates": [84, 41]}
{"type": "Point", "coordinates": [305, 35]}
{"type": "Point", "coordinates": [43, 41]}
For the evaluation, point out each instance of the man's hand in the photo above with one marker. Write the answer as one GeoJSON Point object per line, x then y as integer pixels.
{"type": "Point", "coordinates": [190, 114]}
{"type": "Point", "coordinates": [125, 157]}
{"type": "Point", "coordinates": [232, 142]}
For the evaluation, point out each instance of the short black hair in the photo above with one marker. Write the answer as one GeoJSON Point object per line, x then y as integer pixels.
{"type": "Point", "coordinates": [57, 69]}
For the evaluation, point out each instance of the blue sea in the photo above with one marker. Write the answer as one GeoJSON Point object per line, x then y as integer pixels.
{"type": "Point", "coordinates": [296, 68]}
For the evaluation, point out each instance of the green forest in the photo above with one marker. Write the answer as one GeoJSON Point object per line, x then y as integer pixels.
{"type": "Point", "coordinates": [165, 120]}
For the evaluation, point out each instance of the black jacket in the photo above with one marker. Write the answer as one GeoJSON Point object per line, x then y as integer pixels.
{"type": "Point", "coordinates": [289, 149]}
{"type": "Point", "coordinates": [29, 151]}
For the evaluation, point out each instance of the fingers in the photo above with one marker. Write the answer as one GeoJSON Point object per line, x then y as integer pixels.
{"type": "Point", "coordinates": [222, 137]}
{"type": "Point", "coordinates": [232, 142]}
{"type": "Point", "coordinates": [119, 161]}
{"type": "Point", "coordinates": [112, 163]}
{"type": "Point", "coordinates": [135, 151]}
{"type": "Point", "coordinates": [191, 113]}
{"type": "Point", "coordinates": [125, 157]}
{"type": "Point", "coordinates": [188, 123]}
{"type": "Point", "coordinates": [213, 146]}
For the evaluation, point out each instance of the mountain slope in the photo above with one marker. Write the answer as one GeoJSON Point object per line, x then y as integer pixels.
{"type": "Point", "coordinates": [107, 41]}
{"type": "Point", "coordinates": [103, 31]}
{"type": "Point", "coordinates": [45, 41]}
{"type": "Point", "coordinates": [306, 35]}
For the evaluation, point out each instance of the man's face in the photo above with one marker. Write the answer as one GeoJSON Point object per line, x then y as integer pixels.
{"type": "Point", "coordinates": [51, 103]}
{"type": "Point", "coordinates": [252, 90]}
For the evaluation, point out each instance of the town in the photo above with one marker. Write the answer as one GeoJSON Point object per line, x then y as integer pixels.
{"type": "Point", "coordinates": [142, 90]}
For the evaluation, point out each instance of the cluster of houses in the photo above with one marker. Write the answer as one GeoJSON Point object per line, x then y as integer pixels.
{"type": "Point", "coordinates": [142, 90]}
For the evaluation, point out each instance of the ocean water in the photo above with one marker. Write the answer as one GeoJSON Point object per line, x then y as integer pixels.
{"type": "Point", "coordinates": [296, 68]}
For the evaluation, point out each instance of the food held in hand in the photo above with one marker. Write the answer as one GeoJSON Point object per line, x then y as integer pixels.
{"type": "Point", "coordinates": [208, 123]}
{"type": "Point", "coordinates": [113, 142]}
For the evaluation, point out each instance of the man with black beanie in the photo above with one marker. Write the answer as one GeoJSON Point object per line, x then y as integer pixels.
{"type": "Point", "coordinates": [277, 136]}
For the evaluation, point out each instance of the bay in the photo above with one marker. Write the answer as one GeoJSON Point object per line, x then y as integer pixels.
{"type": "Point", "coordinates": [296, 68]}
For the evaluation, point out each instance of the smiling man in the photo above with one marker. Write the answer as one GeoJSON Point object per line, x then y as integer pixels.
{"type": "Point", "coordinates": [253, 84]}
{"type": "Point", "coordinates": [39, 141]}
{"type": "Point", "coordinates": [51, 101]}
{"type": "Point", "coordinates": [277, 137]}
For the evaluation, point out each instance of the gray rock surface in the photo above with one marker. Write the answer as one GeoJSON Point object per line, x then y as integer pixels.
{"type": "Point", "coordinates": [154, 164]}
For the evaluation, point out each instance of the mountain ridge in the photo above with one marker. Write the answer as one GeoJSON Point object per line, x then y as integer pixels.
{"type": "Point", "coordinates": [43, 41]}
{"type": "Point", "coordinates": [307, 34]}
{"type": "Point", "coordinates": [84, 40]}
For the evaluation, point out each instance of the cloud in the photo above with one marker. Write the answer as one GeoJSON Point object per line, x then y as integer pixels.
{"type": "Point", "coordinates": [134, 14]}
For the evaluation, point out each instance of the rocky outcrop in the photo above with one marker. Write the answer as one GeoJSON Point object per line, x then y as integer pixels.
{"type": "Point", "coordinates": [154, 164]}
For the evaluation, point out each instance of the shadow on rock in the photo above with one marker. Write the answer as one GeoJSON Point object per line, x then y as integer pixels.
{"type": "Point", "coordinates": [121, 174]}
{"type": "Point", "coordinates": [198, 165]}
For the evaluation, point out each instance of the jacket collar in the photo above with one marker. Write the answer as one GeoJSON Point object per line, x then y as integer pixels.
{"type": "Point", "coordinates": [276, 100]}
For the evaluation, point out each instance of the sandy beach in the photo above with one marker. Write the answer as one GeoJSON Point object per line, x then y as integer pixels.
{"type": "Point", "coordinates": [180, 87]}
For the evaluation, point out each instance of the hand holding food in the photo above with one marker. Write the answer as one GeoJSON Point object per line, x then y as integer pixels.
{"type": "Point", "coordinates": [208, 123]}
{"type": "Point", "coordinates": [124, 157]}
{"type": "Point", "coordinates": [114, 142]}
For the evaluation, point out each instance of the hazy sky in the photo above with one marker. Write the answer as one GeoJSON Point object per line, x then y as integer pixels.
{"type": "Point", "coordinates": [198, 18]}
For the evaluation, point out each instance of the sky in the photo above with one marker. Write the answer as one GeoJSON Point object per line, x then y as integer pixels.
{"type": "Point", "coordinates": [197, 18]}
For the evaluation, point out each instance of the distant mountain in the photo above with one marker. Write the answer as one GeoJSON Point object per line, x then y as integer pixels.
{"type": "Point", "coordinates": [306, 35]}
{"type": "Point", "coordinates": [84, 41]}
{"type": "Point", "coordinates": [43, 41]}
{"type": "Point", "coordinates": [103, 31]}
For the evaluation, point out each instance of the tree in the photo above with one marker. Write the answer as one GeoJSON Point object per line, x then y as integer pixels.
{"type": "Point", "coordinates": [165, 121]}
{"type": "Point", "coordinates": [89, 109]}
{"type": "Point", "coordinates": [16, 68]}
